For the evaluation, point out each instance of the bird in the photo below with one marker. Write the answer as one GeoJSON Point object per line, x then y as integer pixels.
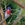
{"type": "Point", "coordinates": [7, 12]}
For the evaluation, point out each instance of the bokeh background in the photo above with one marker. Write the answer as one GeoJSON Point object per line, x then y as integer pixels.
{"type": "Point", "coordinates": [16, 10]}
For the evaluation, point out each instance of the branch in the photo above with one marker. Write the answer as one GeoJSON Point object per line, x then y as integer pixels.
{"type": "Point", "coordinates": [2, 14]}
{"type": "Point", "coordinates": [16, 1]}
{"type": "Point", "coordinates": [18, 18]}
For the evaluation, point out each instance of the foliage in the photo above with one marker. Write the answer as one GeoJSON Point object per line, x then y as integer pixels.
{"type": "Point", "coordinates": [13, 6]}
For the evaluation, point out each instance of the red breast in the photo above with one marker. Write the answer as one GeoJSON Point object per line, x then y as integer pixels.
{"type": "Point", "coordinates": [8, 11]}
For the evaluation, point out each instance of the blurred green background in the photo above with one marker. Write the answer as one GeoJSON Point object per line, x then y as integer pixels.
{"type": "Point", "coordinates": [14, 6]}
